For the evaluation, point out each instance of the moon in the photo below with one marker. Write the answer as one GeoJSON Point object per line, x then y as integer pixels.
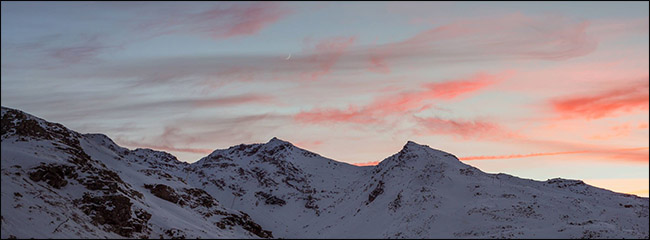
{"type": "Point", "coordinates": [289, 57]}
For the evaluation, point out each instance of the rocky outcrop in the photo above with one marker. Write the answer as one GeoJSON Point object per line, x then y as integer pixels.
{"type": "Point", "coordinates": [115, 211]}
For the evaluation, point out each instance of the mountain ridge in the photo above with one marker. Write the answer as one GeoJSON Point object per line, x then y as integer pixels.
{"type": "Point", "coordinates": [276, 189]}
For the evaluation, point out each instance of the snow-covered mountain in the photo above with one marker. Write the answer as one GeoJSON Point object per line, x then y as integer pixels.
{"type": "Point", "coordinates": [62, 184]}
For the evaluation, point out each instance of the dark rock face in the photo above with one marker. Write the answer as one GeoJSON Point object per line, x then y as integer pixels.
{"type": "Point", "coordinates": [174, 234]}
{"type": "Point", "coordinates": [103, 180]}
{"type": "Point", "coordinates": [115, 212]}
{"type": "Point", "coordinates": [467, 171]}
{"type": "Point", "coordinates": [311, 203]}
{"type": "Point", "coordinates": [397, 203]}
{"type": "Point", "coordinates": [246, 223]}
{"type": "Point", "coordinates": [376, 192]}
{"type": "Point", "coordinates": [198, 197]}
{"type": "Point", "coordinates": [270, 199]}
{"type": "Point", "coordinates": [54, 175]}
{"type": "Point", "coordinates": [165, 192]}
{"type": "Point", "coordinates": [17, 123]}
{"type": "Point", "coordinates": [261, 176]}
{"type": "Point", "coordinates": [563, 183]}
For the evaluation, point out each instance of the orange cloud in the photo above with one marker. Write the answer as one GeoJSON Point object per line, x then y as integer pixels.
{"type": "Point", "coordinates": [404, 102]}
{"type": "Point", "coordinates": [518, 155]}
{"type": "Point", "coordinates": [351, 115]}
{"type": "Point", "coordinates": [453, 89]}
{"type": "Point", "coordinates": [605, 104]}
{"type": "Point", "coordinates": [619, 154]}
{"type": "Point", "coordinates": [366, 164]}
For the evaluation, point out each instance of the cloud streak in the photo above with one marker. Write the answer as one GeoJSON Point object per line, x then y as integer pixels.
{"type": "Point", "coordinates": [463, 129]}
{"type": "Point", "coordinates": [325, 54]}
{"type": "Point", "coordinates": [618, 154]}
{"type": "Point", "coordinates": [612, 102]}
{"type": "Point", "coordinates": [218, 22]}
{"type": "Point", "coordinates": [404, 102]}
{"type": "Point", "coordinates": [511, 37]}
{"type": "Point", "coordinates": [514, 36]}
{"type": "Point", "coordinates": [166, 148]}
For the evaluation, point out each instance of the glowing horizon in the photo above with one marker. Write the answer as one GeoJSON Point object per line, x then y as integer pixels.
{"type": "Point", "coordinates": [536, 90]}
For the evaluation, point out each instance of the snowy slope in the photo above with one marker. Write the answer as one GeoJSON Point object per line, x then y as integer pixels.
{"type": "Point", "coordinates": [422, 192]}
{"type": "Point", "coordinates": [278, 183]}
{"type": "Point", "coordinates": [59, 183]}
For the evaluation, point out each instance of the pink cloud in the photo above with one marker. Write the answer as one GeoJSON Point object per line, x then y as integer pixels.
{"type": "Point", "coordinates": [351, 115]}
{"type": "Point", "coordinates": [462, 128]}
{"type": "Point", "coordinates": [57, 51]}
{"type": "Point", "coordinates": [612, 102]}
{"type": "Point", "coordinates": [76, 54]}
{"type": "Point", "coordinates": [233, 100]}
{"type": "Point", "coordinates": [514, 36]}
{"type": "Point", "coordinates": [613, 28]}
{"type": "Point", "coordinates": [616, 131]}
{"type": "Point", "coordinates": [454, 89]}
{"type": "Point", "coordinates": [510, 37]}
{"type": "Point", "coordinates": [221, 21]}
{"type": "Point", "coordinates": [632, 157]}
{"type": "Point", "coordinates": [325, 55]}
{"type": "Point", "coordinates": [621, 154]}
{"type": "Point", "coordinates": [378, 64]}
{"type": "Point", "coordinates": [518, 155]}
{"type": "Point", "coordinates": [404, 102]}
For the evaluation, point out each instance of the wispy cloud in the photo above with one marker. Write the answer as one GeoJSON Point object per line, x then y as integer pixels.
{"type": "Point", "coordinates": [463, 129]}
{"type": "Point", "coordinates": [619, 131]}
{"type": "Point", "coordinates": [325, 54]}
{"type": "Point", "coordinates": [188, 135]}
{"type": "Point", "coordinates": [165, 148]}
{"type": "Point", "coordinates": [56, 51]}
{"type": "Point", "coordinates": [510, 37]}
{"type": "Point", "coordinates": [221, 21]}
{"type": "Point", "coordinates": [612, 102]}
{"type": "Point", "coordinates": [403, 102]}
{"type": "Point", "coordinates": [514, 36]}
{"type": "Point", "coordinates": [130, 105]}
{"type": "Point", "coordinates": [86, 50]}
{"type": "Point", "coordinates": [616, 154]}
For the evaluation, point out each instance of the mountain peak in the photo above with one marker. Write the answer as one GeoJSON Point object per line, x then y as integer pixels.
{"type": "Point", "coordinates": [418, 154]}
{"type": "Point", "coordinates": [413, 144]}
{"type": "Point", "coordinates": [275, 139]}
{"type": "Point", "coordinates": [277, 142]}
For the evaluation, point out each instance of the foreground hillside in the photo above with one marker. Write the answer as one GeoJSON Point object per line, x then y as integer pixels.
{"type": "Point", "coordinates": [57, 183]}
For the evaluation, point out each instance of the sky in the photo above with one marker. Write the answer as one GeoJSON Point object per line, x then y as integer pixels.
{"type": "Point", "coordinates": [534, 89]}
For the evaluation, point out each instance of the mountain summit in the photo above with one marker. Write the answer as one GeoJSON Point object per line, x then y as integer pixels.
{"type": "Point", "coordinates": [58, 183]}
